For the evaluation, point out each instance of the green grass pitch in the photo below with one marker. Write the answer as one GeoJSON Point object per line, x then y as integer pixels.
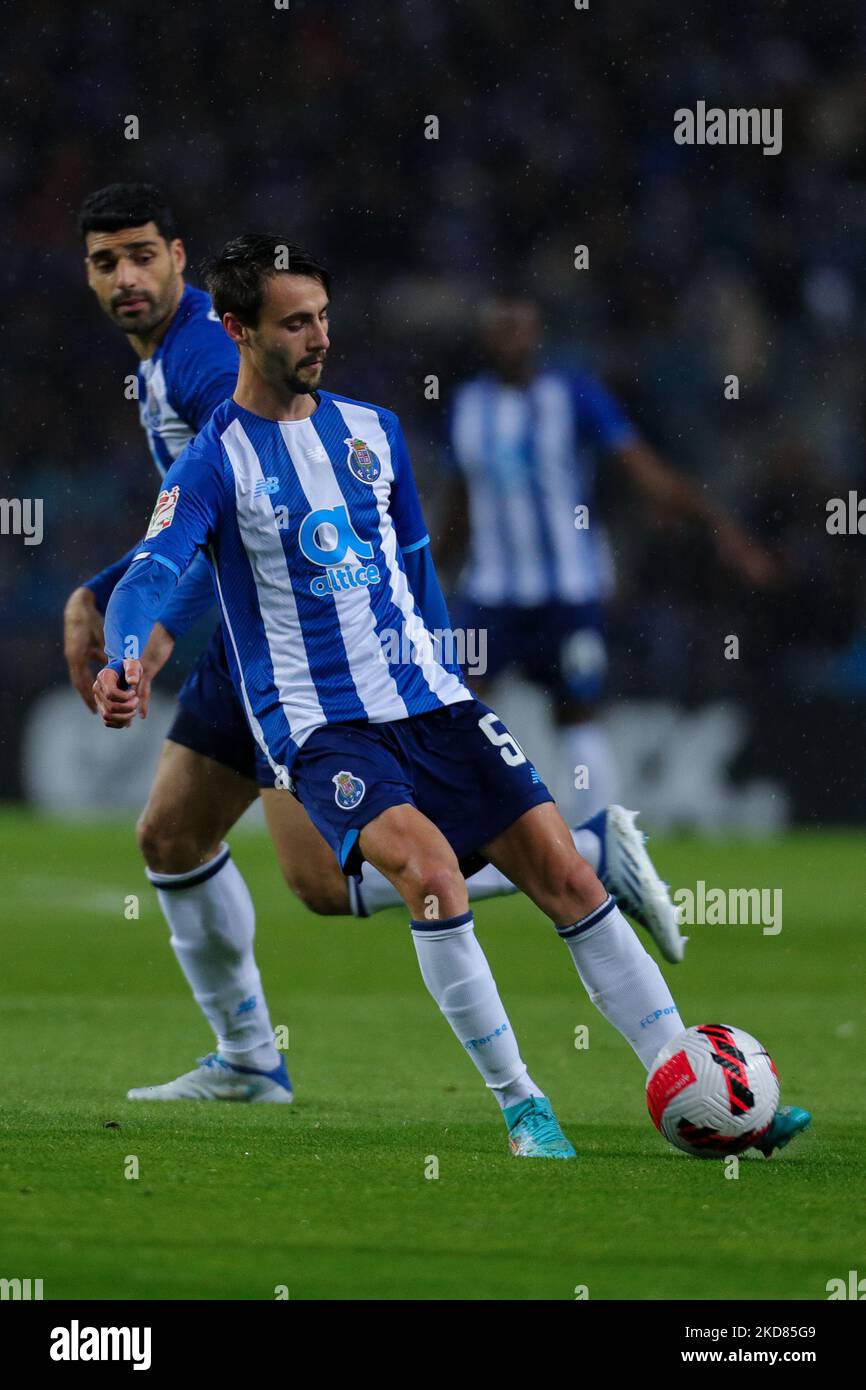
{"type": "Point", "coordinates": [328, 1198]}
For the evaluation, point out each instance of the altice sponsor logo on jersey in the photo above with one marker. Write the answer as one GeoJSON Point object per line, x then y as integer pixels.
{"type": "Point", "coordinates": [326, 536]}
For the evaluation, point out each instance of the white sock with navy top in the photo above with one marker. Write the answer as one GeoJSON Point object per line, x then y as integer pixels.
{"type": "Point", "coordinates": [457, 974]}
{"type": "Point", "coordinates": [213, 926]}
{"type": "Point", "coordinates": [623, 980]}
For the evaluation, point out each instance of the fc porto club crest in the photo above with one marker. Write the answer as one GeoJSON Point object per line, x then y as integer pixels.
{"type": "Point", "coordinates": [350, 790]}
{"type": "Point", "coordinates": [362, 462]}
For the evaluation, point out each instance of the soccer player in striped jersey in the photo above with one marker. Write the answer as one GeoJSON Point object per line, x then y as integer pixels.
{"type": "Point", "coordinates": [207, 775]}
{"type": "Point", "coordinates": [525, 443]}
{"type": "Point", "coordinates": [305, 504]}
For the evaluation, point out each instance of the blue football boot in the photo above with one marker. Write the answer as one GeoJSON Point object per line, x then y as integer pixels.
{"type": "Point", "coordinates": [787, 1123]}
{"type": "Point", "coordinates": [533, 1130]}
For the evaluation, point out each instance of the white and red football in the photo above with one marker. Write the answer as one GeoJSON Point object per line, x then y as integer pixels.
{"type": "Point", "coordinates": [713, 1090]}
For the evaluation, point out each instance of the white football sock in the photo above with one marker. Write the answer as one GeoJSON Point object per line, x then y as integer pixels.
{"type": "Point", "coordinates": [374, 892]}
{"type": "Point", "coordinates": [456, 973]}
{"type": "Point", "coordinates": [213, 923]}
{"type": "Point", "coordinates": [623, 980]}
{"type": "Point", "coordinates": [587, 745]}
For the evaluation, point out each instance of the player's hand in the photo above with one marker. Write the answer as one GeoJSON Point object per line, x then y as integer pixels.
{"type": "Point", "coordinates": [159, 648]}
{"type": "Point", "coordinates": [116, 706]}
{"type": "Point", "coordinates": [746, 557]}
{"type": "Point", "coordinates": [82, 642]}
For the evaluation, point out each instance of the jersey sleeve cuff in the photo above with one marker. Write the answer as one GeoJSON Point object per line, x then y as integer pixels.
{"type": "Point", "coordinates": [416, 545]}
{"type": "Point", "coordinates": [160, 559]}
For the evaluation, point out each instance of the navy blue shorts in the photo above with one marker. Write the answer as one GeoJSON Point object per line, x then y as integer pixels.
{"type": "Point", "coordinates": [211, 719]}
{"type": "Point", "coordinates": [458, 765]}
{"type": "Point", "coordinates": [559, 646]}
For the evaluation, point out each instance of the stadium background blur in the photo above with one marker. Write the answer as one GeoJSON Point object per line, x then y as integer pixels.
{"type": "Point", "coordinates": [556, 128]}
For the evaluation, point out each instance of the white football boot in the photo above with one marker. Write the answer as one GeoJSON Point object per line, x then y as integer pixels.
{"type": "Point", "coordinates": [627, 872]}
{"type": "Point", "coordinates": [216, 1079]}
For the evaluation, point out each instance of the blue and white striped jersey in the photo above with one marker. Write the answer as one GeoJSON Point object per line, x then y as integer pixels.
{"type": "Point", "coordinates": [306, 524]}
{"type": "Point", "coordinates": [193, 369]}
{"type": "Point", "coordinates": [528, 457]}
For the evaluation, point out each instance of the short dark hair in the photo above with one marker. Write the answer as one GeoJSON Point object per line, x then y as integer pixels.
{"type": "Point", "coordinates": [126, 205]}
{"type": "Point", "coordinates": [235, 276]}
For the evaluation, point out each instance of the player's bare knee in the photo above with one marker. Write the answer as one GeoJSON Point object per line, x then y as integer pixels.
{"type": "Point", "coordinates": [168, 850]}
{"type": "Point", "coordinates": [437, 883]}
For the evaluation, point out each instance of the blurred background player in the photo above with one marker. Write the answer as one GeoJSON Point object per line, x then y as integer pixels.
{"type": "Point", "coordinates": [206, 778]}
{"type": "Point", "coordinates": [526, 441]}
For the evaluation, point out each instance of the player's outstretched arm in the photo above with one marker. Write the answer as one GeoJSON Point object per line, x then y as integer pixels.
{"type": "Point", "coordinates": [194, 596]}
{"type": "Point", "coordinates": [82, 641]}
{"type": "Point", "coordinates": [671, 490]}
{"type": "Point", "coordinates": [186, 514]}
{"type": "Point", "coordinates": [82, 626]}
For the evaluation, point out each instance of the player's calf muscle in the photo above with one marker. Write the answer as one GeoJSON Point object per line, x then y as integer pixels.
{"type": "Point", "coordinates": [537, 854]}
{"type": "Point", "coordinates": [571, 892]}
{"type": "Point", "coordinates": [308, 863]}
{"type": "Point", "coordinates": [193, 804]}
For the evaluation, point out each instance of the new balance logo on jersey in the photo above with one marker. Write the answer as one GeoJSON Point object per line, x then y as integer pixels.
{"type": "Point", "coordinates": [325, 536]}
{"type": "Point", "coordinates": [266, 487]}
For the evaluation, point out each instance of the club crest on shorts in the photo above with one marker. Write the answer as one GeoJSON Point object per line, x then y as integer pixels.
{"type": "Point", "coordinates": [362, 462]}
{"type": "Point", "coordinates": [350, 790]}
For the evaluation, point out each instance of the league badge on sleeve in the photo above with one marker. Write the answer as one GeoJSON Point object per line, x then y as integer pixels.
{"type": "Point", "coordinates": [350, 790]}
{"type": "Point", "coordinates": [363, 463]}
{"type": "Point", "coordinates": [163, 512]}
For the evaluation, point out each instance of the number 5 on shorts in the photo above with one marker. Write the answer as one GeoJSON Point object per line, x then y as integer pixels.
{"type": "Point", "coordinates": [509, 749]}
